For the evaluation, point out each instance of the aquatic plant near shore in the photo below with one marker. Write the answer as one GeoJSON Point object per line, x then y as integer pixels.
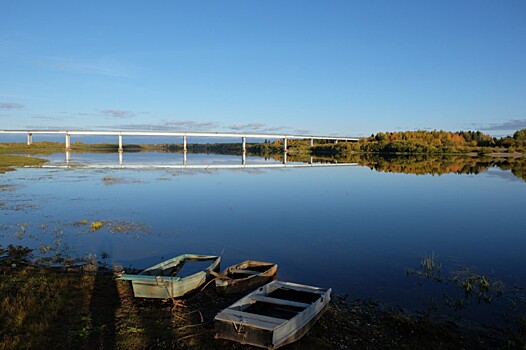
{"type": "Point", "coordinates": [477, 285]}
{"type": "Point", "coordinates": [429, 268]}
{"type": "Point", "coordinates": [473, 286]}
{"type": "Point", "coordinates": [96, 225]}
{"type": "Point", "coordinates": [109, 181]}
{"type": "Point", "coordinates": [80, 223]}
{"type": "Point", "coordinates": [15, 254]}
{"type": "Point", "coordinates": [20, 233]}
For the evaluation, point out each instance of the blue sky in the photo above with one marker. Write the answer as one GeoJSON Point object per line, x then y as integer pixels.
{"type": "Point", "coordinates": [349, 68]}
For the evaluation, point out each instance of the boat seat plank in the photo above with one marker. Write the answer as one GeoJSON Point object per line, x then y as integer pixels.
{"type": "Point", "coordinates": [300, 288]}
{"type": "Point", "coordinates": [243, 271]}
{"type": "Point", "coordinates": [276, 301]}
{"type": "Point", "coordinates": [260, 321]}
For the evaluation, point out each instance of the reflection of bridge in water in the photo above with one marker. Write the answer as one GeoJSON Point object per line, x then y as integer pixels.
{"type": "Point", "coordinates": [184, 164]}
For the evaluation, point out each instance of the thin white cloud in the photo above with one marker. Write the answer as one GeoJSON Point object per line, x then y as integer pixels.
{"type": "Point", "coordinates": [510, 125]}
{"type": "Point", "coordinates": [301, 131]}
{"type": "Point", "coordinates": [43, 117]}
{"type": "Point", "coordinates": [106, 66]}
{"type": "Point", "coordinates": [249, 126]}
{"type": "Point", "coordinates": [190, 124]}
{"type": "Point", "coordinates": [11, 105]}
{"type": "Point", "coordinates": [91, 69]}
{"type": "Point", "coordinates": [170, 125]}
{"type": "Point", "coordinates": [278, 128]}
{"type": "Point", "coordinates": [117, 113]}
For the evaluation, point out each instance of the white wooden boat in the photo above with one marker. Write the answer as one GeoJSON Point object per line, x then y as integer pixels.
{"type": "Point", "coordinates": [173, 278]}
{"type": "Point", "coordinates": [272, 316]}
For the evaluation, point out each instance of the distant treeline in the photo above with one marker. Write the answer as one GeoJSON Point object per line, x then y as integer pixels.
{"type": "Point", "coordinates": [406, 142]}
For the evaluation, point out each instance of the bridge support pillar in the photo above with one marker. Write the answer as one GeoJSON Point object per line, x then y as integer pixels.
{"type": "Point", "coordinates": [184, 143]}
{"type": "Point", "coordinates": [68, 156]}
{"type": "Point", "coordinates": [310, 160]}
{"type": "Point", "coordinates": [244, 158]}
{"type": "Point", "coordinates": [244, 143]}
{"type": "Point", "coordinates": [29, 138]}
{"type": "Point", "coordinates": [68, 141]}
{"type": "Point", "coordinates": [284, 157]}
{"type": "Point", "coordinates": [120, 144]}
{"type": "Point", "coordinates": [184, 157]}
{"type": "Point", "coordinates": [335, 142]}
{"type": "Point", "coordinates": [284, 145]}
{"type": "Point", "coordinates": [311, 143]}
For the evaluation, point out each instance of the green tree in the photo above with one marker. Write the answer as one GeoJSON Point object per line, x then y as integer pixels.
{"type": "Point", "coordinates": [520, 135]}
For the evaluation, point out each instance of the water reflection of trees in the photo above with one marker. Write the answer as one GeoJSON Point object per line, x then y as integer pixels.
{"type": "Point", "coordinates": [425, 164]}
{"type": "Point", "coordinates": [422, 164]}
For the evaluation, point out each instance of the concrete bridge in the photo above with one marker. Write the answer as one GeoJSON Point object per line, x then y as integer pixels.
{"type": "Point", "coordinates": [185, 135]}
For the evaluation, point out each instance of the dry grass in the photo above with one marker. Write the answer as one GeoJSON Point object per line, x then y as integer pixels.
{"type": "Point", "coordinates": [40, 306]}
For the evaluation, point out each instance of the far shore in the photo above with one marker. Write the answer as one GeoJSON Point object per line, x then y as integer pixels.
{"type": "Point", "coordinates": [15, 155]}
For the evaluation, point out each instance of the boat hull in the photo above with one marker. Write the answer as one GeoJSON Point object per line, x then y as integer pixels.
{"type": "Point", "coordinates": [273, 316]}
{"type": "Point", "coordinates": [152, 283]}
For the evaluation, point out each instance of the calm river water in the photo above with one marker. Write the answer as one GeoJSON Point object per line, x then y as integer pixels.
{"type": "Point", "coordinates": [349, 228]}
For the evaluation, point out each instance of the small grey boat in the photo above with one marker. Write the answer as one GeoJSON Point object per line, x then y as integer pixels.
{"type": "Point", "coordinates": [175, 277]}
{"type": "Point", "coordinates": [272, 316]}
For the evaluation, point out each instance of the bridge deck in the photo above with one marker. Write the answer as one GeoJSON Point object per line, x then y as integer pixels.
{"type": "Point", "coordinates": [178, 133]}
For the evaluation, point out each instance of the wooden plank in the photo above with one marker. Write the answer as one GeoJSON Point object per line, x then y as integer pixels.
{"type": "Point", "coordinates": [258, 321]}
{"type": "Point", "coordinates": [300, 287]}
{"type": "Point", "coordinates": [276, 301]}
{"type": "Point", "coordinates": [248, 272]}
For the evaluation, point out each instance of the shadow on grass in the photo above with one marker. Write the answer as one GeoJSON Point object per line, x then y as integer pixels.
{"type": "Point", "coordinates": [155, 324]}
{"type": "Point", "coordinates": [102, 309]}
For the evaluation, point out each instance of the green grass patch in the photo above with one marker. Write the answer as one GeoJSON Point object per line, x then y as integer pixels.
{"type": "Point", "coordinates": [10, 162]}
{"type": "Point", "coordinates": [35, 148]}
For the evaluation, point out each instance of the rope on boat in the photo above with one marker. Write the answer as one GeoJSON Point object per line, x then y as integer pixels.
{"type": "Point", "coordinates": [180, 303]}
{"type": "Point", "coordinates": [239, 326]}
{"type": "Point", "coordinates": [217, 276]}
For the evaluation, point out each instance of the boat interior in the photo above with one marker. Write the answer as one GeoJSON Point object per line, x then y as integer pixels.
{"type": "Point", "coordinates": [282, 303]}
{"type": "Point", "coordinates": [299, 296]}
{"type": "Point", "coordinates": [243, 271]}
{"type": "Point", "coordinates": [182, 269]}
{"type": "Point", "coordinates": [285, 312]}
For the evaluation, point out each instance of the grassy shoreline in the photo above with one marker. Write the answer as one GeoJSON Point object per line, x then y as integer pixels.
{"type": "Point", "coordinates": [86, 308]}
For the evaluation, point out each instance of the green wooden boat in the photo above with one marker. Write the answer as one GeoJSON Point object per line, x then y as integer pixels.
{"type": "Point", "coordinates": [175, 277]}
